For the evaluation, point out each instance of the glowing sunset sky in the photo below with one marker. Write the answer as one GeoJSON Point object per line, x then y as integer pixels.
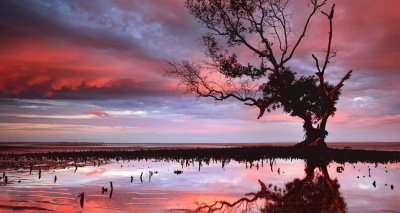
{"type": "Point", "coordinates": [94, 71]}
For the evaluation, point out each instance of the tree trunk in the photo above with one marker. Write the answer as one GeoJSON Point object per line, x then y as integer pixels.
{"type": "Point", "coordinates": [314, 137]}
{"type": "Point", "coordinates": [313, 142]}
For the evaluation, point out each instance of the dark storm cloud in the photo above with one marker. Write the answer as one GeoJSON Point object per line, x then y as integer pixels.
{"type": "Point", "coordinates": [114, 89]}
{"type": "Point", "coordinates": [22, 20]}
{"type": "Point", "coordinates": [75, 49]}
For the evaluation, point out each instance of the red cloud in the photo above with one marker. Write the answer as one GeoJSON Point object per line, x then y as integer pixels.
{"type": "Point", "coordinates": [35, 69]}
{"type": "Point", "coordinates": [97, 113]}
{"type": "Point", "coordinates": [365, 34]}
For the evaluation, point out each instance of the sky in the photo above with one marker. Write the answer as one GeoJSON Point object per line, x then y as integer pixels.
{"type": "Point", "coordinates": [94, 71]}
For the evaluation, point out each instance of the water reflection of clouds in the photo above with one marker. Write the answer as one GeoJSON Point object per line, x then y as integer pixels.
{"type": "Point", "coordinates": [88, 171]}
{"type": "Point", "coordinates": [360, 194]}
{"type": "Point", "coordinates": [210, 178]}
{"type": "Point", "coordinates": [168, 191]}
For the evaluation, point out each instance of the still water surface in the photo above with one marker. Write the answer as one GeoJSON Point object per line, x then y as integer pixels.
{"type": "Point", "coordinates": [357, 187]}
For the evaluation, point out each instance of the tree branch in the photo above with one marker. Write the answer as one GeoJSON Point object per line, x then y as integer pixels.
{"type": "Point", "coordinates": [330, 17]}
{"type": "Point", "coordinates": [315, 8]}
{"type": "Point", "coordinates": [341, 82]}
{"type": "Point", "coordinates": [316, 62]}
{"type": "Point", "coordinates": [194, 82]}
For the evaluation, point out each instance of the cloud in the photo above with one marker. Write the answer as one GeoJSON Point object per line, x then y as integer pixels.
{"type": "Point", "coordinates": [72, 117]}
{"type": "Point", "coordinates": [97, 113]}
{"type": "Point", "coordinates": [55, 49]}
{"type": "Point", "coordinates": [374, 121]}
{"type": "Point", "coordinates": [70, 88]}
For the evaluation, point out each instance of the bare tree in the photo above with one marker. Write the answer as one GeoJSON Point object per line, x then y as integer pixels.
{"type": "Point", "coordinates": [266, 81]}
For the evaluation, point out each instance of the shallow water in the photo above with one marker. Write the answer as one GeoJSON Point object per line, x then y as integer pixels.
{"type": "Point", "coordinates": [196, 187]}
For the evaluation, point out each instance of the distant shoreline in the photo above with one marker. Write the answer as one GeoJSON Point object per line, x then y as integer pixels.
{"type": "Point", "coordinates": [38, 147]}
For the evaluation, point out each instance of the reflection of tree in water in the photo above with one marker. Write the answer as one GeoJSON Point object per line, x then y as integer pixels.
{"type": "Point", "coordinates": [317, 192]}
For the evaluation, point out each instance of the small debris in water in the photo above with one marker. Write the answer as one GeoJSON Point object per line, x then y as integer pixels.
{"type": "Point", "coordinates": [178, 172]}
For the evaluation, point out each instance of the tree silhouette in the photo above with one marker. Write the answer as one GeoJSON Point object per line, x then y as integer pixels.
{"type": "Point", "coordinates": [316, 192]}
{"type": "Point", "coordinates": [265, 81]}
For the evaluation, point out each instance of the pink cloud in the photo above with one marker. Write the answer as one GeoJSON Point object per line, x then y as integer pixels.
{"type": "Point", "coordinates": [93, 172]}
{"type": "Point", "coordinates": [97, 113]}
{"type": "Point", "coordinates": [371, 121]}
